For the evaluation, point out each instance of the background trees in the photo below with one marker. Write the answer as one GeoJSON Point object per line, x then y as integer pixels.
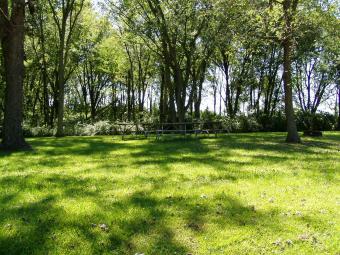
{"type": "Point", "coordinates": [159, 61]}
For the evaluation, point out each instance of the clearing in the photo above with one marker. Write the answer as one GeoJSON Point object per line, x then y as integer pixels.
{"type": "Point", "coordinates": [235, 194]}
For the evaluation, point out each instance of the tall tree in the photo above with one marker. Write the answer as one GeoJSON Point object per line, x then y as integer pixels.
{"type": "Point", "coordinates": [65, 15]}
{"type": "Point", "coordinates": [174, 30]}
{"type": "Point", "coordinates": [289, 10]}
{"type": "Point", "coordinates": [12, 21]}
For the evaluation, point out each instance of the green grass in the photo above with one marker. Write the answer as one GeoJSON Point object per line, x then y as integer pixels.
{"type": "Point", "coordinates": [236, 194]}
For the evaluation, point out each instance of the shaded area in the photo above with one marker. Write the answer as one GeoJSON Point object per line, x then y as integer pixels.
{"type": "Point", "coordinates": [52, 197]}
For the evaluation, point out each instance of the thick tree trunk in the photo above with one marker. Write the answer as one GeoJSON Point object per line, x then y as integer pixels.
{"type": "Point", "coordinates": [13, 53]}
{"type": "Point", "coordinates": [293, 135]}
{"type": "Point", "coordinates": [93, 112]}
{"type": "Point", "coordinates": [197, 110]}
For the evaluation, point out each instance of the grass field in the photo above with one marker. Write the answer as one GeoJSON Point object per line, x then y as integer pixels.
{"type": "Point", "coordinates": [235, 194]}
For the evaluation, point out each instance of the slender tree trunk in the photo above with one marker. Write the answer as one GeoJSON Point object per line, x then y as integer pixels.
{"type": "Point", "coordinates": [61, 81]}
{"type": "Point", "coordinates": [12, 40]}
{"type": "Point", "coordinates": [293, 135]}
{"type": "Point", "coordinates": [129, 101]}
{"type": "Point", "coordinates": [162, 97]}
{"type": "Point", "coordinates": [215, 90]}
{"type": "Point", "coordinates": [61, 93]}
{"type": "Point", "coordinates": [202, 70]}
{"type": "Point", "coordinates": [220, 94]}
{"type": "Point", "coordinates": [228, 98]}
{"type": "Point", "coordinates": [338, 128]}
{"type": "Point", "coordinates": [338, 86]}
{"type": "Point", "coordinates": [151, 101]}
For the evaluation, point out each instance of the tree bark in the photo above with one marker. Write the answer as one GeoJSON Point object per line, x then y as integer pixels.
{"type": "Point", "coordinates": [12, 40]}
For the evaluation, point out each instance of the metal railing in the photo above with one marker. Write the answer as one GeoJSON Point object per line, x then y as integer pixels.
{"type": "Point", "coordinates": [159, 129]}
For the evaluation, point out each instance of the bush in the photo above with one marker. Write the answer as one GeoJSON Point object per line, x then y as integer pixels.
{"type": "Point", "coordinates": [98, 128]}
{"type": "Point", "coordinates": [248, 124]}
{"type": "Point", "coordinates": [241, 123]}
{"type": "Point", "coordinates": [321, 121]}
{"type": "Point", "coordinates": [274, 123]}
{"type": "Point", "coordinates": [42, 131]}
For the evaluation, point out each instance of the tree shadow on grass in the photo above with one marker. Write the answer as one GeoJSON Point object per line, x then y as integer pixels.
{"type": "Point", "coordinates": [220, 153]}
{"type": "Point", "coordinates": [138, 222]}
{"type": "Point", "coordinates": [33, 227]}
{"type": "Point", "coordinates": [145, 220]}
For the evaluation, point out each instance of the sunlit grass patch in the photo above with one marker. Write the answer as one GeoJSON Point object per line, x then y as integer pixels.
{"type": "Point", "coordinates": [234, 194]}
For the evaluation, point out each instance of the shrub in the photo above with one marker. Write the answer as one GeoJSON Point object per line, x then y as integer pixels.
{"type": "Point", "coordinates": [231, 124]}
{"type": "Point", "coordinates": [248, 124]}
{"type": "Point", "coordinates": [273, 123]}
{"type": "Point", "coordinates": [42, 131]}
{"type": "Point", "coordinates": [322, 121]}
{"type": "Point", "coordinates": [98, 128]}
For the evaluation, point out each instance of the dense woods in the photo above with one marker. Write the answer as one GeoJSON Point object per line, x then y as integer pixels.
{"type": "Point", "coordinates": [264, 62]}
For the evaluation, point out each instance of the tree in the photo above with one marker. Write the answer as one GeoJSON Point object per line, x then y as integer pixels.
{"type": "Point", "coordinates": [174, 31]}
{"type": "Point", "coordinates": [315, 58]}
{"type": "Point", "coordinates": [12, 21]}
{"type": "Point", "coordinates": [289, 10]}
{"type": "Point", "coordinates": [65, 15]}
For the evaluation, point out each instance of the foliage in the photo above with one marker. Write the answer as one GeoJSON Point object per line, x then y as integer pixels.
{"type": "Point", "coordinates": [38, 131]}
{"type": "Point", "coordinates": [322, 121]}
{"type": "Point", "coordinates": [98, 128]}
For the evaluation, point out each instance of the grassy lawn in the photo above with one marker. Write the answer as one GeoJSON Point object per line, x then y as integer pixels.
{"type": "Point", "coordinates": [235, 194]}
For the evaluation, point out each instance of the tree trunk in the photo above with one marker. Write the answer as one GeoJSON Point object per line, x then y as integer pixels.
{"type": "Point", "coordinates": [338, 128]}
{"type": "Point", "coordinates": [162, 97]}
{"type": "Point", "coordinates": [12, 40]}
{"type": "Point", "coordinates": [293, 135]}
{"type": "Point", "coordinates": [215, 92]}
{"type": "Point", "coordinates": [61, 98]}
{"type": "Point", "coordinates": [338, 86]}
{"type": "Point", "coordinates": [129, 101]}
{"type": "Point", "coordinates": [60, 82]}
{"type": "Point", "coordinates": [202, 70]}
